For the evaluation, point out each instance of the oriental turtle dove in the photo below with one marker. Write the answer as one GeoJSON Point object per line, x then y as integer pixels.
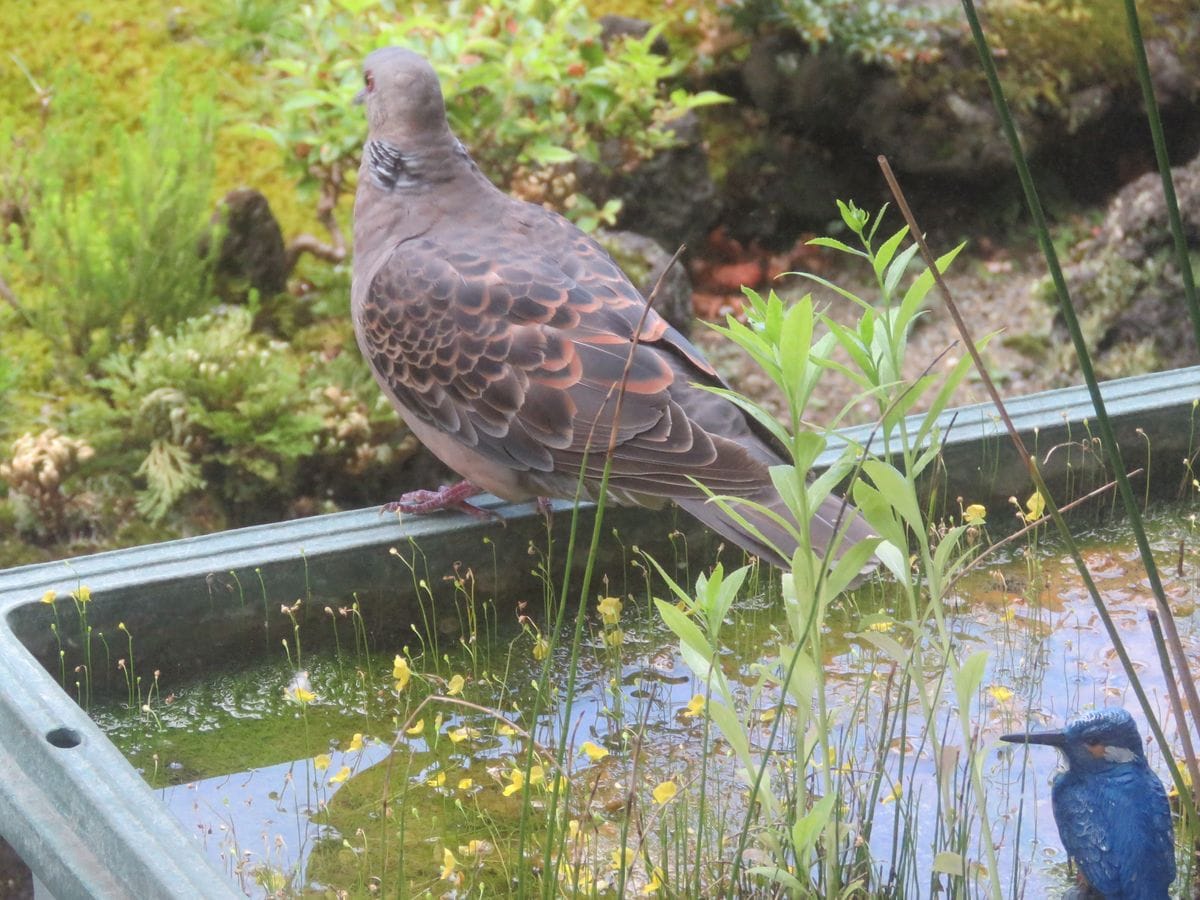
{"type": "Point", "coordinates": [501, 333]}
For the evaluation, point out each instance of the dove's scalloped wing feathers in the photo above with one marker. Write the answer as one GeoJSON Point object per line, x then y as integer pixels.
{"type": "Point", "coordinates": [518, 351]}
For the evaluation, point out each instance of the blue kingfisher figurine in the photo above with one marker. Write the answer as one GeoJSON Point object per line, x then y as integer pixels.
{"type": "Point", "coordinates": [1111, 810]}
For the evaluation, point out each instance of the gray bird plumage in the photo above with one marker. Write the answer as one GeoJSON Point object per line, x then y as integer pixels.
{"type": "Point", "coordinates": [500, 333]}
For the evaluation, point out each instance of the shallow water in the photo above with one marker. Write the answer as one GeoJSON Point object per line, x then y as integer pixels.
{"type": "Point", "coordinates": [236, 761]}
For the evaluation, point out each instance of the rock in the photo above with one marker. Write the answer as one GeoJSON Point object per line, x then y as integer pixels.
{"type": "Point", "coordinates": [643, 259]}
{"type": "Point", "coordinates": [1126, 285]}
{"type": "Point", "coordinates": [670, 197]}
{"type": "Point", "coordinates": [252, 253]}
{"type": "Point", "coordinates": [788, 184]}
{"type": "Point", "coordinates": [613, 27]}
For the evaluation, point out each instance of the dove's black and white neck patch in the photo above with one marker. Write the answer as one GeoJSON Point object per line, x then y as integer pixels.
{"type": "Point", "coordinates": [391, 167]}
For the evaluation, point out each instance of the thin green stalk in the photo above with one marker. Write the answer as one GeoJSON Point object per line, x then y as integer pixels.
{"type": "Point", "coordinates": [1108, 439]}
{"type": "Point", "coordinates": [1164, 165]}
{"type": "Point", "coordinates": [1164, 662]}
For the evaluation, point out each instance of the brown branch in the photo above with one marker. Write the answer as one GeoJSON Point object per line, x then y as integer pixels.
{"type": "Point", "coordinates": [335, 250]}
{"type": "Point", "coordinates": [311, 244]}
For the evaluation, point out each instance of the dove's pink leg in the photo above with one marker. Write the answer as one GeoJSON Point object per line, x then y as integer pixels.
{"type": "Point", "coordinates": [453, 496]}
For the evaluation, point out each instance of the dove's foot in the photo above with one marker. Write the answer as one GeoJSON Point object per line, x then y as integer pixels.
{"type": "Point", "coordinates": [452, 496]}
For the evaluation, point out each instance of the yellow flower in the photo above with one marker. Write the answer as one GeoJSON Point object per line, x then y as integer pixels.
{"type": "Point", "coordinates": [614, 637]}
{"type": "Point", "coordinates": [449, 864]}
{"type": "Point", "coordinates": [537, 775]}
{"type": "Point", "coordinates": [1035, 506]}
{"type": "Point", "coordinates": [321, 762]}
{"type": "Point", "coordinates": [1000, 693]}
{"type": "Point", "coordinates": [466, 732]}
{"type": "Point", "coordinates": [83, 595]}
{"type": "Point", "coordinates": [695, 706]}
{"type": "Point", "coordinates": [356, 742]}
{"type": "Point", "coordinates": [475, 847]}
{"type": "Point", "coordinates": [665, 792]}
{"type": "Point", "coordinates": [49, 596]}
{"type": "Point", "coordinates": [416, 729]}
{"type": "Point", "coordinates": [438, 780]}
{"type": "Point", "coordinates": [573, 829]}
{"type": "Point", "coordinates": [622, 858]}
{"type": "Point", "coordinates": [401, 672]}
{"type": "Point", "coordinates": [465, 784]}
{"type": "Point", "coordinates": [975, 514]}
{"type": "Point", "coordinates": [541, 649]}
{"type": "Point", "coordinates": [594, 751]}
{"type": "Point", "coordinates": [342, 774]}
{"type": "Point", "coordinates": [505, 730]}
{"type": "Point", "coordinates": [455, 687]}
{"type": "Point", "coordinates": [882, 627]}
{"type": "Point", "coordinates": [768, 715]}
{"type": "Point", "coordinates": [610, 610]}
{"type": "Point", "coordinates": [895, 794]}
{"type": "Point", "coordinates": [516, 782]}
{"type": "Point", "coordinates": [655, 883]}
{"type": "Point", "coordinates": [300, 690]}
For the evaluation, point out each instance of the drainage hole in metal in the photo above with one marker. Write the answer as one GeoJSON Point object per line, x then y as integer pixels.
{"type": "Point", "coordinates": [66, 738]}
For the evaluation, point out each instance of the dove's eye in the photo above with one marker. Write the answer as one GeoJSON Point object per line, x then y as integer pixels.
{"type": "Point", "coordinates": [369, 81]}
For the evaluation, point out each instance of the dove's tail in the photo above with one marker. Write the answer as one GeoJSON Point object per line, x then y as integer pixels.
{"type": "Point", "coordinates": [836, 517]}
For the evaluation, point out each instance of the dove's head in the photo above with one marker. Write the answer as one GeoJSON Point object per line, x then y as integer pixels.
{"type": "Point", "coordinates": [403, 97]}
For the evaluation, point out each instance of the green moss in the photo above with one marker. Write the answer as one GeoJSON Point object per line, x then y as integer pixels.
{"type": "Point", "coordinates": [124, 46]}
{"type": "Point", "coordinates": [1047, 50]}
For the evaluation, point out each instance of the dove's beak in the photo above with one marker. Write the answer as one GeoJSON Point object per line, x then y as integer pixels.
{"type": "Point", "coordinates": [361, 97]}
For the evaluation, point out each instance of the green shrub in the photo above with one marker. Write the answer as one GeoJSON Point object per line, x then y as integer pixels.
{"type": "Point", "coordinates": [101, 260]}
{"type": "Point", "coordinates": [886, 33]}
{"type": "Point", "coordinates": [212, 406]}
{"type": "Point", "coordinates": [529, 87]}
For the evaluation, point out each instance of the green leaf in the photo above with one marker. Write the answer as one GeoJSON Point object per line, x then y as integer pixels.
{"type": "Point", "coordinates": [549, 154]}
{"type": "Point", "coordinates": [806, 830]}
{"type": "Point", "coordinates": [850, 565]}
{"type": "Point", "coordinates": [685, 629]}
{"type": "Point", "coordinates": [779, 876]}
{"type": "Point", "coordinates": [950, 863]}
{"type": "Point", "coordinates": [888, 645]}
{"type": "Point", "coordinates": [884, 254]}
{"type": "Point", "coordinates": [834, 244]}
{"type": "Point", "coordinates": [897, 269]}
{"type": "Point", "coordinates": [969, 677]}
{"type": "Point", "coordinates": [899, 491]}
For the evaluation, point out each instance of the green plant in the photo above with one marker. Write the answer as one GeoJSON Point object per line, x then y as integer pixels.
{"type": "Point", "coordinates": [530, 89]}
{"type": "Point", "coordinates": [211, 406]}
{"type": "Point", "coordinates": [879, 31]}
{"type": "Point", "coordinates": [100, 261]}
{"type": "Point", "coordinates": [35, 475]}
{"type": "Point", "coordinates": [809, 816]}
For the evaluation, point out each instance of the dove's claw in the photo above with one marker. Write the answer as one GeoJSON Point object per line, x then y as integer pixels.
{"type": "Point", "coordinates": [453, 496]}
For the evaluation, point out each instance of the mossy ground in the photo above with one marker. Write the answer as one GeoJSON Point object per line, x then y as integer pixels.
{"type": "Point", "coordinates": [124, 46]}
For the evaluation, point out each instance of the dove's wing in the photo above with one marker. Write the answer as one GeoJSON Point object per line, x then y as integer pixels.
{"type": "Point", "coordinates": [518, 352]}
